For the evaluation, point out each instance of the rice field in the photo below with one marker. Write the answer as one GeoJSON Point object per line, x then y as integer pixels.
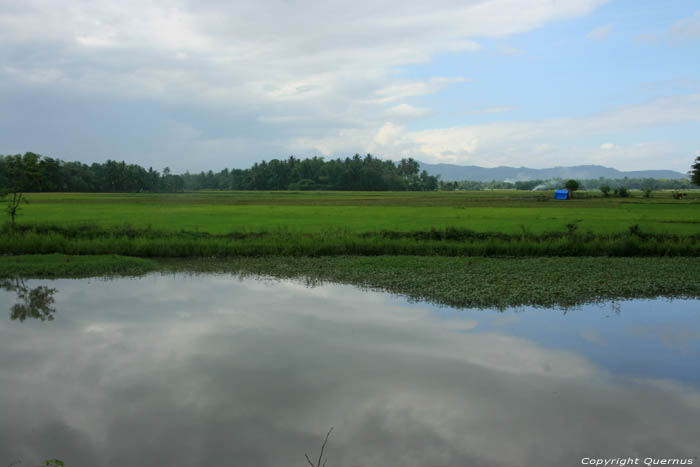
{"type": "Point", "coordinates": [505, 211]}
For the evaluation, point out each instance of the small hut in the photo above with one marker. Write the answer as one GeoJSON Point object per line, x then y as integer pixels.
{"type": "Point", "coordinates": [562, 194]}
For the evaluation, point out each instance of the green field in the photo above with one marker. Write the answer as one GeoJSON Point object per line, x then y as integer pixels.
{"type": "Point", "coordinates": [480, 249]}
{"type": "Point", "coordinates": [355, 212]}
{"type": "Point", "coordinates": [234, 224]}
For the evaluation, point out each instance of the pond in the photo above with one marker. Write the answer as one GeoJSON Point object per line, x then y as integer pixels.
{"type": "Point", "coordinates": [185, 370]}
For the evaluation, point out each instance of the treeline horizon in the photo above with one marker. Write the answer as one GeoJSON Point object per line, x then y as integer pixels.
{"type": "Point", "coordinates": [357, 173]}
{"type": "Point", "coordinates": [585, 184]}
{"type": "Point", "coordinates": [32, 172]}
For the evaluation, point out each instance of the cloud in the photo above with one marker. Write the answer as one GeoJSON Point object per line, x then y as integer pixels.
{"type": "Point", "coordinates": [593, 336]}
{"type": "Point", "coordinates": [683, 31]}
{"type": "Point", "coordinates": [686, 29]}
{"type": "Point", "coordinates": [308, 69]}
{"type": "Point", "coordinates": [403, 90]}
{"type": "Point", "coordinates": [541, 143]}
{"type": "Point", "coordinates": [408, 111]}
{"type": "Point", "coordinates": [491, 110]}
{"type": "Point", "coordinates": [139, 363]}
{"type": "Point", "coordinates": [601, 32]}
{"type": "Point", "coordinates": [510, 51]}
{"type": "Point", "coordinates": [279, 50]}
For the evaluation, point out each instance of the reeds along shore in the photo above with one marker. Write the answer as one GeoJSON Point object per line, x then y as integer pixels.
{"type": "Point", "coordinates": [31, 238]}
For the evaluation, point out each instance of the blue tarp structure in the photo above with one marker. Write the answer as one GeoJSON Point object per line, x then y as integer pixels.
{"type": "Point", "coordinates": [561, 194]}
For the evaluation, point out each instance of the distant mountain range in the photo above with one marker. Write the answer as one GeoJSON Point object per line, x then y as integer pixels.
{"type": "Point", "coordinates": [451, 172]}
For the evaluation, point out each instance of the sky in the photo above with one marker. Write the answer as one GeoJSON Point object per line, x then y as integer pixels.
{"type": "Point", "coordinates": [208, 84]}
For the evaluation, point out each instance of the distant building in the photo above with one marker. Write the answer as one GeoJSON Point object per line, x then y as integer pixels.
{"type": "Point", "coordinates": [562, 194]}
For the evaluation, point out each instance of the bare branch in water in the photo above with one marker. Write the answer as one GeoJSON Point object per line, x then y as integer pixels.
{"type": "Point", "coordinates": [320, 457]}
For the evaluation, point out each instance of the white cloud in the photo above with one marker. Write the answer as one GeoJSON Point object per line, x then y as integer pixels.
{"type": "Point", "coordinates": [491, 110]}
{"type": "Point", "coordinates": [408, 111]}
{"type": "Point", "coordinates": [686, 29]}
{"type": "Point", "coordinates": [310, 71]}
{"type": "Point", "coordinates": [682, 31]}
{"type": "Point", "coordinates": [600, 33]}
{"type": "Point", "coordinates": [315, 78]}
{"type": "Point", "coordinates": [510, 51]}
{"type": "Point", "coordinates": [543, 143]}
{"type": "Point", "coordinates": [246, 50]}
{"type": "Point", "coordinates": [402, 90]}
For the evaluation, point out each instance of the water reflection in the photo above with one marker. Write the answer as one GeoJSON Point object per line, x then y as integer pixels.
{"type": "Point", "coordinates": [210, 370]}
{"type": "Point", "coordinates": [36, 302]}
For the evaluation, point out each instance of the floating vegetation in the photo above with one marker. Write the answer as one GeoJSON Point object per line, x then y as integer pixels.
{"type": "Point", "coordinates": [478, 282]}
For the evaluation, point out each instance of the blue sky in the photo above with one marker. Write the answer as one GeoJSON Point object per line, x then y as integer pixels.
{"type": "Point", "coordinates": [212, 84]}
{"type": "Point", "coordinates": [568, 69]}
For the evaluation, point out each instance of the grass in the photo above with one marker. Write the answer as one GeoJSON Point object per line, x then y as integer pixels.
{"type": "Point", "coordinates": [460, 282]}
{"type": "Point", "coordinates": [476, 249]}
{"type": "Point", "coordinates": [147, 242]}
{"type": "Point", "coordinates": [230, 224]}
{"type": "Point", "coordinates": [56, 265]}
{"type": "Point", "coordinates": [357, 212]}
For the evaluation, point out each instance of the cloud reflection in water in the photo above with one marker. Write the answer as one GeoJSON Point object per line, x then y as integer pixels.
{"type": "Point", "coordinates": [213, 370]}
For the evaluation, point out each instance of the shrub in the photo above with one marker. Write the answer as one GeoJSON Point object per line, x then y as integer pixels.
{"type": "Point", "coordinates": [572, 185]}
{"type": "Point", "coordinates": [622, 192]}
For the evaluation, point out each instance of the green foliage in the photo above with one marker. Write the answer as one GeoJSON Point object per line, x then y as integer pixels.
{"type": "Point", "coordinates": [479, 282]}
{"type": "Point", "coordinates": [20, 174]}
{"type": "Point", "coordinates": [637, 183]}
{"type": "Point", "coordinates": [54, 463]}
{"type": "Point", "coordinates": [695, 172]}
{"type": "Point", "coordinates": [13, 204]}
{"type": "Point", "coordinates": [219, 224]}
{"type": "Point", "coordinates": [605, 189]}
{"type": "Point", "coordinates": [461, 281]}
{"type": "Point", "coordinates": [314, 212]}
{"type": "Point", "coordinates": [622, 192]}
{"type": "Point", "coordinates": [571, 185]}
{"type": "Point", "coordinates": [588, 184]}
{"type": "Point", "coordinates": [36, 303]}
{"type": "Point", "coordinates": [647, 192]}
{"type": "Point", "coordinates": [57, 265]}
{"type": "Point", "coordinates": [450, 241]}
{"type": "Point", "coordinates": [571, 228]}
{"type": "Point", "coordinates": [351, 173]}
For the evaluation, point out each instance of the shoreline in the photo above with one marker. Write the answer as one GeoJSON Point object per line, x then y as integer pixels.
{"type": "Point", "coordinates": [462, 282]}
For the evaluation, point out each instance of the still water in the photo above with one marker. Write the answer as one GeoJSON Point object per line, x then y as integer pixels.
{"type": "Point", "coordinates": [215, 370]}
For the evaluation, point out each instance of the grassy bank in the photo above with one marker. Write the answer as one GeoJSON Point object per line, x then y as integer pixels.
{"type": "Point", "coordinates": [45, 266]}
{"type": "Point", "coordinates": [126, 240]}
{"type": "Point", "coordinates": [460, 282]}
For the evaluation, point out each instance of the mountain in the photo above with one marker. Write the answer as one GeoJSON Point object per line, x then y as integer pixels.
{"type": "Point", "coordinates": [451, 172]}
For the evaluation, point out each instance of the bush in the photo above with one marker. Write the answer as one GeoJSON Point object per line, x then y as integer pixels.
{"type": "Point", "coordinates": [605, 189]}
{"type": "Point", "coordinates": [622, 192]}
{"type": "Point", "coordinates": [572, 185]}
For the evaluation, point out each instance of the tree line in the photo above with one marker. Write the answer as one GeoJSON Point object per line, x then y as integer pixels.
{"type": "Point", "coordinates": [35, 173]}
{"type": "Point", "coordinates": [585, 184]}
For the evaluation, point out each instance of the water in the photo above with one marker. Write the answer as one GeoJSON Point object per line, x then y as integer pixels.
{"type": "Point", "coordinates": [214, 370]}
